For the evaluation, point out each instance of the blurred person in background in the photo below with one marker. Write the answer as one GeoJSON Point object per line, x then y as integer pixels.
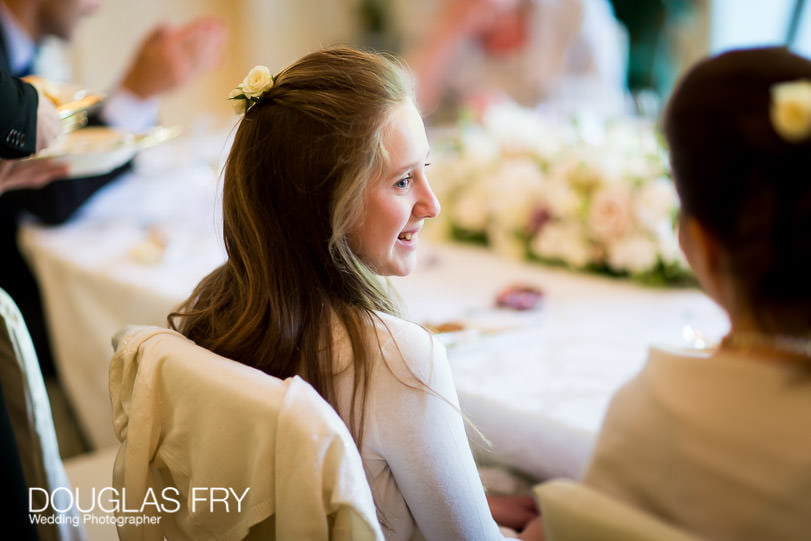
{"type": "Point", "coordinates": [29, 122]}
{"type": "Point", "coordinates": [167, 59]}
{"type": "Point", "coordinates": [717, 441]}
{"type": "Point", "coordinates": [566, 53]}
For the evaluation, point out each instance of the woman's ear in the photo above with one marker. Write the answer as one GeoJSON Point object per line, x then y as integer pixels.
{"type": "Point", "coordinates": [703, 252]}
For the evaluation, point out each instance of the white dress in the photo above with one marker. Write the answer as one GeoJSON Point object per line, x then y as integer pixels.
{"type": "Point", "coordinates": [415, 452]}
{"type": "Point", "coordinates": [719, 445]}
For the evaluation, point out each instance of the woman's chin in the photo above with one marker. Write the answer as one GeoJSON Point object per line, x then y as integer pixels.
{"type": "Point", "coordinates": [402, 267]}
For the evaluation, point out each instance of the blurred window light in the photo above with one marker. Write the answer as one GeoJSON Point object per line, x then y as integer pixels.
{"type": "Point", "coordinates": [751, 23]}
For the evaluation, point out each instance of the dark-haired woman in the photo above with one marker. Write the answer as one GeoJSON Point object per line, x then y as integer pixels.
{"type": "Point", "coordinates": [720, 443]}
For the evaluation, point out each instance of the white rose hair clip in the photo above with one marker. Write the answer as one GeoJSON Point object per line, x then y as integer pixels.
{"type": "Point", "coordinates": [790, 110]}
{"type": "Point", "coordinates": [250, 90]}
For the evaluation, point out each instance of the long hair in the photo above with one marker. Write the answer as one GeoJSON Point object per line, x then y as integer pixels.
{"type": "Point", "coordinates": [293, 186]}
{"type": "Point", "coordinates": [746, 184]}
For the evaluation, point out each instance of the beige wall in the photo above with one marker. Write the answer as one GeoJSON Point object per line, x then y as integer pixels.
{"type": "Point", "coordinates": [271, 32]}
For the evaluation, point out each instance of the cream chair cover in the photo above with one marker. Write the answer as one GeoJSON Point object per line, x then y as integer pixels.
{"type": "Point", "coordinates": [188, 418]}
{"type": "Point", "coordinates": [573, 511]}
{"type": "Point", "coordinates": [30, 413]}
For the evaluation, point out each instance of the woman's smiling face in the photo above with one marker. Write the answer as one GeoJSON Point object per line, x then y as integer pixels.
{"type": "Point", "coordinates": [396, 204]}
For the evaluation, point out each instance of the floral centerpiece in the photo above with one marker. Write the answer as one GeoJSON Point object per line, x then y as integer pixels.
{"type": "Point", "coordinates": [584, 193]}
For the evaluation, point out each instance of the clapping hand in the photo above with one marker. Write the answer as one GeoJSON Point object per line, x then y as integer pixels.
{"type": "Point", "coordinates": [169, 57]}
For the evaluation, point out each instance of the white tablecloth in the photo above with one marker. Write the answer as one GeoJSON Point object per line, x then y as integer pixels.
{"type": "Point", "coordinates": [537, 389]}
{"type": "Point", "coordinates": [538, 392]}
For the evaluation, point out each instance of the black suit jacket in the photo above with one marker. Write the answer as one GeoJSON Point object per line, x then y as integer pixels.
{"type": "Point", "coordinates": [18, 117]}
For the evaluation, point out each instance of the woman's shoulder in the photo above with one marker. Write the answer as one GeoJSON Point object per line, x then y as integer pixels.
{"type": "Point", "coordinates": [710, 365]}
{"type": "Point", "coordinates": [405, 344]}
{"type": "Point", "coordinates": [695, 382]}
{"type": "Point", "coordinates": [400, 329]}
{"type": "Point", "coordinates": [666, 371]}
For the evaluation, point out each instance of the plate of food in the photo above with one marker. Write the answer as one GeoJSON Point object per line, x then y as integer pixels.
{"type": "Point", "coordinates": [99, 149]}
{"type": "Point", "coordinates": [451, 333]}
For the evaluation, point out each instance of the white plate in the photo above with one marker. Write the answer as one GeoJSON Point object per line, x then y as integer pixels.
{"type": "Point", "coordinates": [98, 150]}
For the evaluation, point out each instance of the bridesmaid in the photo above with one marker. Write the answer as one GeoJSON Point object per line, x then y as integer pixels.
{"type": "Point", "coordinates": [326, 192]}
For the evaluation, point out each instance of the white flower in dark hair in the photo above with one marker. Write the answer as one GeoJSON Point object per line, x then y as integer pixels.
{"type": "Point", "coordinates": [257, 82]}
{"type": "Point", "coordinates": [240, 102]}
{"type": "Point", "coordinates": [250, 90]}
{"type": "Point", "coordinates": [790, 111]}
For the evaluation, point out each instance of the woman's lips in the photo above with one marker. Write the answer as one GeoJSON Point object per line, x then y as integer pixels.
{"type": "Point", "coordinates": [409, 238]}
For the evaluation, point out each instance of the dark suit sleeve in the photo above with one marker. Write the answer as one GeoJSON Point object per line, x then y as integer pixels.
{"type": "Point", "coordinates": [18, 117]}
{"type": "Point", "coordinates": [58, 201]}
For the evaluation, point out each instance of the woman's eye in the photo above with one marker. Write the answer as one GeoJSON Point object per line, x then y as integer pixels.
{"type": "Point", "coordinates": [403, 183]}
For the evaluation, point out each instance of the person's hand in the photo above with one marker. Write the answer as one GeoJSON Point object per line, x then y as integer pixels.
{"type": "Point", "coordinates": [29, 174]}
{"type": "Point", "coordinates": [49, 125]}
{"type": "Point", "coordinates": [169, 57]}
{"type": "Point", "coordinates": [533, 531]}
{"type": "Point", "coordinates": [512, 511]}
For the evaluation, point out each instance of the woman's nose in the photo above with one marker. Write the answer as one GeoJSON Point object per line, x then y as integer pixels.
{"type": "Point", "coordinates": [427, 205]}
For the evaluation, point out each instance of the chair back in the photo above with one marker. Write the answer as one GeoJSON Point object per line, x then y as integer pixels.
{"type": "Point", "coordinates": [230, 452]}
{"type": "Point", "coordinates": [573, 511]}
{"type": "Point", "coordinates": [29, 411]}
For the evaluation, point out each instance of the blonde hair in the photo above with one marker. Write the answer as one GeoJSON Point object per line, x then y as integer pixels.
{"type": "Point", "coordinates": [301, 160]}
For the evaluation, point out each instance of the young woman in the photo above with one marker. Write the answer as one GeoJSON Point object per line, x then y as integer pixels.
{"type": "Point", "coordinates": [325, 191]}
{"type": "Point", "coordinates": [720, 444]}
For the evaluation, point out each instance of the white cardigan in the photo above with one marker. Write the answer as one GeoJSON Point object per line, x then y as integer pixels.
{"type": "Point", "coordinates": [719, 445]}
{"type": "Point", "coordinates": [415, 451]}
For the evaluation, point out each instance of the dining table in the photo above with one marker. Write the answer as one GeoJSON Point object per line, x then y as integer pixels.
{"type": "Point", "coordinates": [533, 384]}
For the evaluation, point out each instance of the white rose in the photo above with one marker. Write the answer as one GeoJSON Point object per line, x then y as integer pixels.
{"type": "Point", "coordinates": [565, 241]}
{"type": "Point", "coordinates": [655, 201]}
{"type": "Point", "coordinates": [240, 104]}
{"type": "Point", "coordinates": [579, 168]}
{"type": "Point", "coordinates": [258, 81]}
{"type": "Point", "coordinates": [791, 110]}
{"type": "Point", "coordinates": [478, 147]}
{"type": "Point", "coordinates": [561, 200]}
{"type": "Point", "coordinates": [610, 214]}
{"type": "Point", "coordinates": [515, 190]}
{"type": "Point", "coordinates": [516, 129]}
{"type": "Point", "coordinates": [635, 254]}
{"type": "Point", "coordinates": [504, 241]}
{"type": "Point", "coordinates": [471, 211]}
{"type": "Point", "coordinates": [450, 173]}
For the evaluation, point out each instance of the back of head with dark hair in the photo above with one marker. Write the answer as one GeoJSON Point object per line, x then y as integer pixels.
{"type": "Point", "coordinates": [747, 185]}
